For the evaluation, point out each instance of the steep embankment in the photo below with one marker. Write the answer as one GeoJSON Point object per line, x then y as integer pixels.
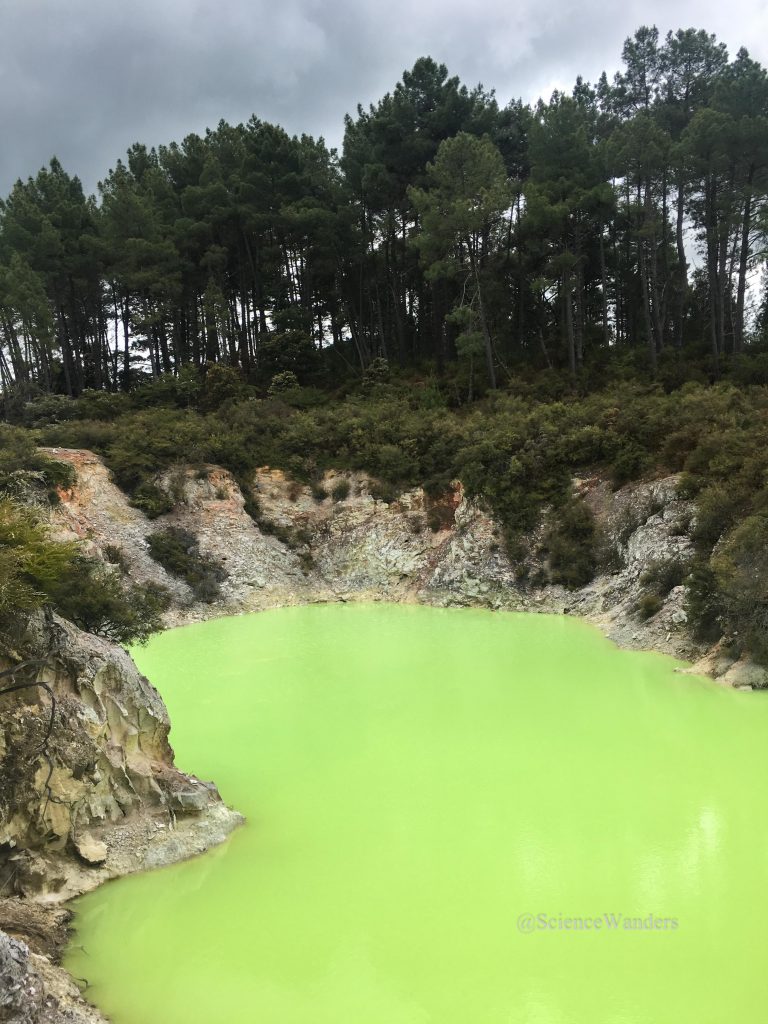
{"type": "Point", "coordinates": [88, 791]}
{"type": "Point", "coordinates": [445, 551]}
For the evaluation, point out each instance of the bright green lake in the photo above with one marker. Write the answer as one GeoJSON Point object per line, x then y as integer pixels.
{"type": "Point", "coordinates": [416, 779]}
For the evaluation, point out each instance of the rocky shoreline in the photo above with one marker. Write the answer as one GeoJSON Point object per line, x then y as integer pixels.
{"type": "Point", "coordinates": [88, 792]}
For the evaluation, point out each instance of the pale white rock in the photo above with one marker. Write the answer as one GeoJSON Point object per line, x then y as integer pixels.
{"type": "Point", "coordinates": [92, 851]}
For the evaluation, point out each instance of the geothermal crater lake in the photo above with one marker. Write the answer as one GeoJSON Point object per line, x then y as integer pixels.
{"type": "Point", "coordinates": [438, 803]}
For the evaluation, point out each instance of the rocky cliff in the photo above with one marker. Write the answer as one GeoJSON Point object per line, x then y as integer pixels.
{"type": "Point", "coordinates": [445, 551]}
{"type": "Point", "coordinates": [88, 791]}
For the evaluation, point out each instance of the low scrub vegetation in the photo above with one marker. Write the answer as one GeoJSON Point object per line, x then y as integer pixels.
{"type": "Point", "coordinates": [36, 571]}
{"type": "Point", "coordinates": [740, 569]}
{"type": "Point", "coordinates": [663, 576]}
{"type": "Point", "coordinates": [648, 605]}
{"type": "Point", "coordinates": [516, 450]}
{"type": "Point", "coordinates": [340, 490]}
{"type": "Point", "coordinates": [570, 544]}
{"type": "Point", "coordinates": [179, 553]}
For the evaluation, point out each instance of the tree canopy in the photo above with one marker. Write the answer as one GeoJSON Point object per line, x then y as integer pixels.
{"type": "Point", "coordinates": [626, 219]}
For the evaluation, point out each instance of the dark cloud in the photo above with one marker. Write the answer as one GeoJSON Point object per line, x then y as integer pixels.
{"type": "Point", "coordinates": [85, 79]}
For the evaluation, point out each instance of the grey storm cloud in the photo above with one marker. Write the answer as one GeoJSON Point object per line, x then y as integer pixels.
{"type": "Point", "coordinates": [83, 79]}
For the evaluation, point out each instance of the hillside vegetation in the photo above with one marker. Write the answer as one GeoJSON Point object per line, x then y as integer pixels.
{"type": "Point", "coordinates": [514, 451]}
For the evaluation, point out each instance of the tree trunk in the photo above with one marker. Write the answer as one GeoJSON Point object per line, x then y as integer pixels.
{"type": "Point", "coordinates": [568, 323]}
{"type": "Point", "coordinates": [484, 323]}
{"type": "Point", "coordinates": [604, 289]}
{"type": "Point", "coordinates": [712, 268]}
{"type": "Point", "coordinates": [682, 269]}
{"type": "Point", "coordinates": [647, 308]}
{"type": "Point", "coordinates": [746, 224]}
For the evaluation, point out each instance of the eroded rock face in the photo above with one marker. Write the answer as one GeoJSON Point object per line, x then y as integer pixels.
{"type": "Point", "coordinates": [97, 514]}
{"type": "Point", "coordinates": [88, 789]}
{"type": "Point", "coordinates": [446, 552]}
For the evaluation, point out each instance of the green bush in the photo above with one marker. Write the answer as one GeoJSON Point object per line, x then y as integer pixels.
{"type": "Point", "coordinates": [515, 451]}
{"type": "Point", "coordinates": [178, 552]}
{"type": "Point", "coordinates": [18, 594]}
{"type": "Point", "coordinates": [47, 409]}
{"type": "Point", "coordinates": [25, 470]}
{"type": "Point", "coordinates": [290, 349]}
{"type": "Point", "coordinates": [379, 490]}
{"type": "Point", "coordinates": [376, 373]}
{"type": "Point", "coordinates": [703, 603]}
{"type": "Point", "coordinates": [717, 508]}
{"type": "Point", "coordinates": [570, 543]}
{"type": "Point", "coordinates": [35, 571]}
{"type": "Point", "coordinates": [115, 555]}
{"type": "Point", "coordinates": [740, 568]}
{"type": "Point", "coordinates": [340, 490]}
{"type": "Point", "coordinates": [283, 382]}
{"type": "Point", "coordinates": [628, 464]}
{"type": "Point", "coordinates": [152, 500]}
{"type": "Point", "coordinates": [222, 384]}
{"type": "Point", "coordinates": [663, 576]}
{"type": "Point", "coordinates": [648, 605]}
{"type": "Point", "coordinates": [97, 600]}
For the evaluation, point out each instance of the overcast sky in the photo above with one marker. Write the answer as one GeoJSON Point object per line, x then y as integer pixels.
{"type": "Point", "coordinates": [83, 79]}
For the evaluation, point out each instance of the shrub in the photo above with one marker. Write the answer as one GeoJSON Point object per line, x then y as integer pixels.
{"type": "Point", "coordinates": [648, 605]}
{"type": "Point", "coordinates": [221, 384]}
{"type": "Point", "coordinates": [292, 538]}
{"type": "Point", "coordinates": [34, 563]}
{"type": "Point", "coordinates": [340, 490]}
{"type": "Point", "coordinates": [152, 500]}
{"type": "Point", "coordinates": [570, 543]}
{"type": "Point", "coordinates": [516, 451]}
{"type": "Point", "coordinates": [115, 555]}
{"type": "Point", "coordinates": [377, 372]}
{"type": "Point", "coordinates": [703, 603]}
{"type": "Point", "coordinates": [663, 576]}
{"type": "Point", "coordinates": [682, 525]}
{"type": "Point", "coordinates": [96, 405]}
{"type": "Point", "coordinates": [379, 490]}
{"type": "Point", "coordinates": [35, 571]}
{"type": "Point", "coordinates": [416, 524]}
{"type": "Point", "coordinates": [716, 510]}
{"type": "Point", "coordinates": [48, 409]}
{"type": "Point", "coordinates": [609, 553]}
{"type": "Point", "coordinates": [740, 568]}
{"type": "Point", "coordinates": [628, 464]}
{"type": "Point", "coordinates": [178, 552]}
{"type": "Point", "coordinates": [98, 601]}
{"type": "Point", "coordinates": [287, 350]}
{"type": "Point", "coordinates": [282, 383]}
{"type": "Point", "coordinates": [18, 595]}
{"type": "Point", "coordinates": [25, 470]}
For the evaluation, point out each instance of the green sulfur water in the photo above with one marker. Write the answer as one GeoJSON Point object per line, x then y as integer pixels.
{"type": "Point", "coordinates": [417, 781]}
